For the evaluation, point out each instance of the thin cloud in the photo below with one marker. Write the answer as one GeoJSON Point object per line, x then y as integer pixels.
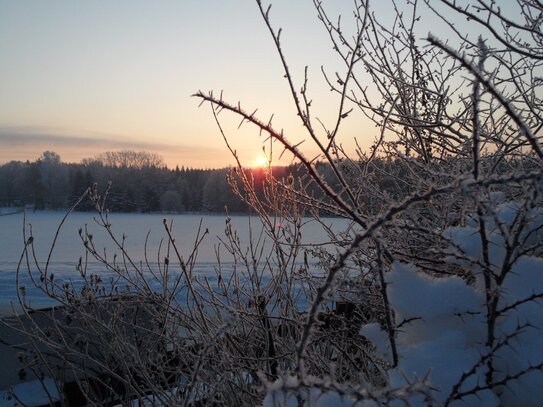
{"type": "Point", "coordinates": [26, 143]}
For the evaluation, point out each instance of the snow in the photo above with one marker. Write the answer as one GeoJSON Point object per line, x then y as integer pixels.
{"type": "Point", "coordinates": [69, 247]}
{"type": "Point", "coordinates": [439, 343]}
{"type": "Point", "coordinates": [135, 227]}
{"type": "Point", "coordinates": [374, 333]}
{"type": "Point", "coordinates": [444, 340]}
{"type": "Point", "coordinates": [29, 394]}
{"type": "Point", "coordinates": [4, 211]}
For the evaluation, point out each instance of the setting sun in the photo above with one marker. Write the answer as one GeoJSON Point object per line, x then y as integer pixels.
{"type": "Point", "coordinates": [261, 161]}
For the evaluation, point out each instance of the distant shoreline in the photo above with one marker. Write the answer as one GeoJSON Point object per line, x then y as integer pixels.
{"type": "Point", "coordinates": [10, 211]}
{"type": "Point", "coordinates": [193, 213]}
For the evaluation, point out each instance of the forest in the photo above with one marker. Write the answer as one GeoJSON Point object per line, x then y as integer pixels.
{"type": "Point", "coordinates": [138, 182]}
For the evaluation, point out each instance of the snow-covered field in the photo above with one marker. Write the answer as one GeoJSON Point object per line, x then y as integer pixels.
{"type": "Point", "coordinates": [444, 342]}
{"type": "Point", "coordinates": [69, 248]}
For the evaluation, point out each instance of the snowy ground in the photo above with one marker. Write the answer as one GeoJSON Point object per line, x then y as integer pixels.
{"type": "Point", "coordinates": [135, 227]}
{"type": "Point", "coordinates": [69, 249]}
{"type": "Point", "coordinates": [31, 393]}
{"type": "Point", "coordinates": [9, 211]}
{"type": "Point", "coordinates": [445, 341]}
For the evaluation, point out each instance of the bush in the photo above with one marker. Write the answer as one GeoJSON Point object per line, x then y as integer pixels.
{"type": "Point", "coordinates": [429, 297]}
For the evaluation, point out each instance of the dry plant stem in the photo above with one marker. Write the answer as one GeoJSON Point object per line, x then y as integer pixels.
{"type": "Point", "coordinates": [83, 196]}
{"type": "Point", "coordinates": [507, 44]}
{"type": "Point", "coordinates": [198, 367]}
{"type": "Point", "coordinates": [483, 360]}
{"type": "Point", "coordinates": [369, 232]}
{"type": "Point", "coordinates": [510, 109]}
{"type": "Point", "coordinates": [489, 290]}
{"type": "Point", "coordinates": [292, 149]}
{"type": "Point", "coordinates": [476, 113]}
{"type": "Point", "coordinates": [391, 329]}
{"type": "Point", "coordinates": [29, 242]}
{"type": "Point", "coordinates": [350, 67]}
{"type": "Point", "coordinates": [497, 383]}
{"type": "Point", "coordinates": [304, 114]}
{"type": "Point", "coordinates": [103, 221]}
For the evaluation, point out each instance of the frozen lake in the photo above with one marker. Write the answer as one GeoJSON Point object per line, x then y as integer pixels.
{"type": "Point", "coordinates": [69, 247]}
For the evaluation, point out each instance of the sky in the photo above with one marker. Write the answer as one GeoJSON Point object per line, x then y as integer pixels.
{"type": "Point", "coordinates": [84, 77]}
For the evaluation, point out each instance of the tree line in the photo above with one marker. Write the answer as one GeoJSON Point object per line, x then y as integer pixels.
{"type": "Point", "coordinates": [134, 181]}
{"type": "Point", "coordinates": [141, 182]}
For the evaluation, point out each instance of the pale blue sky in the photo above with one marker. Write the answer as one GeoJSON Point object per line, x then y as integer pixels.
{"type": "Point", "coordinates": [83, 77]}
{"type": "Point", "coordinates": [122, 71]}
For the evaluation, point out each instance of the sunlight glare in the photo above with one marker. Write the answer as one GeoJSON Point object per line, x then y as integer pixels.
{"type": "Point", "coordinates": [261, 161]}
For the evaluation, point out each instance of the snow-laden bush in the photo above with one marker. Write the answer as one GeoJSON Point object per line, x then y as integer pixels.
{"type": "Point", "coordinates": [443, 326]}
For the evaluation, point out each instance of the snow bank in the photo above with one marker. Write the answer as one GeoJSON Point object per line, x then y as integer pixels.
{"type": "Point", "coordinates": [442, 323]}
{"type": "Point", "coordinates": [31, 393]}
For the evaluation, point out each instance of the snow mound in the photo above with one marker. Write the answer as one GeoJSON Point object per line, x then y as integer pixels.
{"type": "Point", "coordinates": [443, 337]}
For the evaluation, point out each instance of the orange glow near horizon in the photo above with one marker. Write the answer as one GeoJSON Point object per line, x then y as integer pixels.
{"type": "Point", "coordinates": [261, 162]}
{"type": "Point", "coordinates": [131, 92]}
